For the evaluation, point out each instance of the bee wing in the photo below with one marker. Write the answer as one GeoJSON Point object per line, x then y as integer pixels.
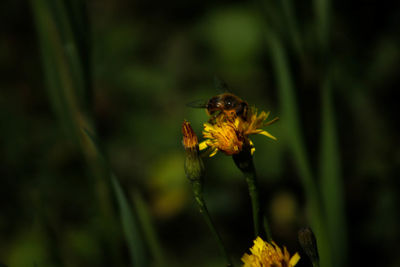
{"type": "Point", "coordinates": [197, 104]}
{"type": "Point", "coordinates": [221, 85]}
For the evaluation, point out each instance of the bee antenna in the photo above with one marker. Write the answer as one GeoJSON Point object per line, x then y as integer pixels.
{"type": "Point", "coordinates": [197, 104]}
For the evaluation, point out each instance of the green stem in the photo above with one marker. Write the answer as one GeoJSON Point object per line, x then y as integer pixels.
{"type": "Point", "coordinates": [255, 202]}
{"type": "Point", "coordinates": [244, 161]}
{"type": "Point", "coordinates": [198, 195]}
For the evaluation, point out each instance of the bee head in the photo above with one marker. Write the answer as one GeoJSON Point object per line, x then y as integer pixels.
{"type": "Point", "coordinates": [230, 102]}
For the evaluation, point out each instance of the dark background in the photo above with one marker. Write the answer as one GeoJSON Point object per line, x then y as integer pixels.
{"type": "Point", "coordinates": [146, 60]}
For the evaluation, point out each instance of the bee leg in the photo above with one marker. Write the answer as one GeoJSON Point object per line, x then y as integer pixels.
{"type": "Point", "coordinates": [241, 110]}
{"type": "Point", "coordinates": [212, 119]}
{"type": "Point", "coordinates": [214, 116]}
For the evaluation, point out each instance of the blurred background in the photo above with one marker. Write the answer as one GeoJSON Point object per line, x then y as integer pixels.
{"type": "Point", "coordinates": [121, 73]}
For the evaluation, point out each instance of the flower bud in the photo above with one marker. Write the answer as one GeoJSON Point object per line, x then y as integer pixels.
{"type": "Point", "coordinates": [309, 244]}
{"type": "Point", "coordinates": [194, 167]}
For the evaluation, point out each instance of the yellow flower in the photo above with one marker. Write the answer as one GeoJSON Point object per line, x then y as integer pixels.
{"type": "Point", "coordinates": [230, 135]}
{"type": "Point", "coordinates": [264, 254]}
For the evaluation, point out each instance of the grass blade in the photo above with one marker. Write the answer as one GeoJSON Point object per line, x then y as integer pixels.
{"type": "Point", "coordinates": [67, 81]}
{"type": "Point", "coordinates": [293, 27]}
{"type": "Point", "coordinates": [130, 227]}
{"type": "Point", "coordinates": [296, 143]}
{"type": "Point", "coordinates": [148, 229]}
{"type": "Point", "coordinates": [331, 180]}
{"type": "Point", "coordinates": [61, 64]}
{"type": "Point", "coordinates": [321, 10]}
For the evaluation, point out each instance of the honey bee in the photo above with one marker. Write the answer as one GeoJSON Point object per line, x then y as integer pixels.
{"type": "Point", "coordinates": [227, 104]}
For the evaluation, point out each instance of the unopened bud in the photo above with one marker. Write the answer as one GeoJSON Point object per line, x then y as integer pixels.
{"type": "Point", "coordinates": [194, 167]}
{"type": "Point", "coordinates": [309, 244]}
{"type": "Point", "coordinates": [190, 140]}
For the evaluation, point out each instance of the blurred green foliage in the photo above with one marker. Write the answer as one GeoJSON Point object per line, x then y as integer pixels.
{"type": "Point", "coordinates": [141, 62]}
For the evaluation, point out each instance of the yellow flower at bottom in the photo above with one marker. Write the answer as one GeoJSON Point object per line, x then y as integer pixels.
{"type": "Point", "coordinates": [230, 135]}
{"type": "Point", "coordinates": [264, 254]}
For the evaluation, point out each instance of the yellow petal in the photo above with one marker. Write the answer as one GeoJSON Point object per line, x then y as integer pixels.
{"type": "Point", "coordinates": [294, 260]}
{"type": "Point", "coordinates": [214, 152]}
{"type": "Point", "coordinates": [246, 259]}
{"type": "Point", "coordinates": [203, 145]}
{"type": "Point", "coordinates": [267, 134]}
{"type": "Point", "coordinates": [207, 126]}
{"type": "Point", "coordinates": [252, 147]}
{"type": "Point", "coordinates": [271, 121]}
{"type": "Point", "coordinates": [262, 117]}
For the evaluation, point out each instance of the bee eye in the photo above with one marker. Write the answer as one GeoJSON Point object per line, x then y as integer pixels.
{"type": "Point", "coordinates": [228, 102]}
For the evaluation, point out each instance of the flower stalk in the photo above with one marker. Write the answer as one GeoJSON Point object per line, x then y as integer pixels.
{"type": "Point", "coordinates": [194, 170]}
{"type": "Point", "coordinates": [198, 195]}
{"type": "Point", "coordinates": [244, 161]}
